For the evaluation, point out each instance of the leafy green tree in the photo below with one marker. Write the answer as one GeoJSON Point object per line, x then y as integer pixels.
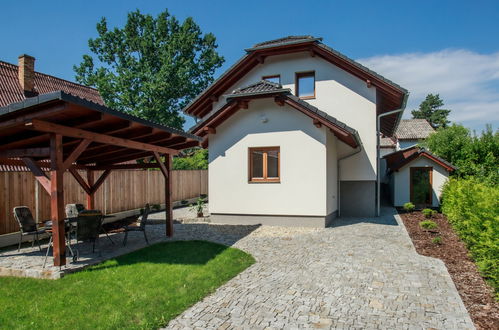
{"type": "Point", "coordinates": [473, 155]}
{"type": "Point", "coordinates": [152, 67]}
{"type": "Point", "coordinates": [430, 109]}
{"type": "Point", "coordinates": [196, 159]}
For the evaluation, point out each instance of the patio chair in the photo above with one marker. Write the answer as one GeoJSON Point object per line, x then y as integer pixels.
{"type": "Point", "coordinates": [141, 227]}
{"type": "Point", "coordinates": [72, 210]}
{"type": "Point", "coordinates": [88, 227]}
{"type": "Point", "coordinates": [27, 226]}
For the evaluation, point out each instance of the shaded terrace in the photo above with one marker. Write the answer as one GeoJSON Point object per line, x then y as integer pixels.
{"type": "Point", "coordinates": [58, 132]}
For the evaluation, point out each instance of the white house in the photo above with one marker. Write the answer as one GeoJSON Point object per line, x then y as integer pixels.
{"type": "Point", "coordinates": [416, 175]}
{"type": "Point", "coordinates": [292, 130]}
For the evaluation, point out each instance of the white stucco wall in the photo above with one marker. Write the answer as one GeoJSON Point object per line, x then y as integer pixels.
{"type": "Point", "coordinates": [401, 181]}
{"type": "Point", "coordinates": [303, 186]}
{"type": "Point", "coordinates": [332, 172]}
{"type": "Point", "coordinates": [339, 94]}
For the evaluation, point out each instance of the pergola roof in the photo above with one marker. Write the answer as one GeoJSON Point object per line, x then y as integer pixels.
{"type": "Point", "coordinates": [114, 136]}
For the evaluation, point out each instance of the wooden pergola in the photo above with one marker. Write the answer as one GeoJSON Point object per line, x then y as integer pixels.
{"type": "Point", "coordinates": [59, 132]}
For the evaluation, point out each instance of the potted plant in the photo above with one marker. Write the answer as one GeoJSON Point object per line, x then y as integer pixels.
{"type": "Point", "coordinates": [199, 207]}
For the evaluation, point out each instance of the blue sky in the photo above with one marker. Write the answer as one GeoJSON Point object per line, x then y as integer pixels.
{"type": "Point", "coordinates": [446, 47]}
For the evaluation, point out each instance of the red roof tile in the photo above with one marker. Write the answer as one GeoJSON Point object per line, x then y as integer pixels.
{"type": "Point", "coordinates": [11, 91]}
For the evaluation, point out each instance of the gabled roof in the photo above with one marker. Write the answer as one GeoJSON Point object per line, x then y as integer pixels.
{"type": "Point", "coordinates": [413, 129]}
{"type": "Point", "coordinates": [12, 92]}
{"type": "Point", "coordinates": [240, 98]}
{"type": "Point", "coordinates": [398, 159]}
{"type": "Point", "coordinates": [390, 96]}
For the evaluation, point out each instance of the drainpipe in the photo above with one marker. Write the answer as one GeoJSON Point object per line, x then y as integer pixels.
{"type": "Point", "coordinates": [356, 151]}
{"type": "Point", "coordinates": [378, 152]}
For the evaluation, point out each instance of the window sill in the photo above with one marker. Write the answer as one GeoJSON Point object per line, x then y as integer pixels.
{"type": "Point", "coordinates": [307, 97]}
{"type": "Point", "coordinates": [264, 181]}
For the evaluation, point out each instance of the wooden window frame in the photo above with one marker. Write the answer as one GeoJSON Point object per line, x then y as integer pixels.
{"type": "Point", "coordinates": [273, 76]}
{"type": "Point", "coordinates": [265, 178]}
{"type": "Point", "coordinates": [430, 187]}
{"type": "Point", "coordinates": [299, 75]}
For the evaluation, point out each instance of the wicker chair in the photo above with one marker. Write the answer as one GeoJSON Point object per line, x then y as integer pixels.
{"type": "Point", "coordinates": [141, 227]}
{"type": "Point", "coordinates": [27, 226]}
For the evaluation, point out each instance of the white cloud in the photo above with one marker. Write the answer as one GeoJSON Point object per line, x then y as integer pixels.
{"type": "Point", "coordinates": [468, 82]}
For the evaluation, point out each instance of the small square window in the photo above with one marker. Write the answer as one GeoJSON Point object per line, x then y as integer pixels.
{"type": "Point", "coordinates": [305, 85]}
{"type": "Point", "coordinates": [264, 164]}
{"type": "Point", "coordinates": [276, 79]}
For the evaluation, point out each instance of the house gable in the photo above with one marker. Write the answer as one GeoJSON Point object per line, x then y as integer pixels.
{"type": "Point", "coordinates": [389, 95]}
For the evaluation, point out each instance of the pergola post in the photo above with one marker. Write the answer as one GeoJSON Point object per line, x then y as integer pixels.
{"type": "Point", "coordinates": [91, 195]}
{"type": "Point", "coordinates": [57, 199]}
{"type": "Point", "coordinates": [166, 170]}
{"type": "Point", "coordinates": [168, 196]}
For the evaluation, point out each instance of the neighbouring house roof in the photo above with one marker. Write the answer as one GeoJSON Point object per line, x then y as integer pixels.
{"type": "Point", "coordinates": [398, 159]}
{"type": "Point", "coordinates": [387, 142]}
{"type": "Point", "coordinates": [240, 98]}
{"type": "Point", "coordinates": [413, 129]}
{"type": "Point", "coordinates": [390, 96]}
{"type": "Point", "coordinates": [12, 92]}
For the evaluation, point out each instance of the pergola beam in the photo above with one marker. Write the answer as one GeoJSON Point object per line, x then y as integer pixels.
{"type": "Point", "coordinates": [25, 152]}
{"type": "Point", "coordinates": [44, 126]}
{"type": "Point", "coordinates": [76, 153]}
{"type": "Point", "coordinates": [40, 176]}
{"type": "Point", "coordinates": [57, 199]}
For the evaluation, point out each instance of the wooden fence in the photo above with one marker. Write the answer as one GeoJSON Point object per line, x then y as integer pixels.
{"type": "Point", "coordinates": [123, 190]}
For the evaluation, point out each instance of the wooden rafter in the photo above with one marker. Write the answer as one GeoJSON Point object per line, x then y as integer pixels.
{"type": "Point", "coordinates": [44, 126]}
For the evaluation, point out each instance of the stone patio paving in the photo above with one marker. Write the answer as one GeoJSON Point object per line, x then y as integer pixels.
{"type": "Point", "coordinates": [362, 273]}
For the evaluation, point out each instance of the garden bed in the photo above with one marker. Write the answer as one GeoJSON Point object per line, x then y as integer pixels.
{"type": "Point", "coordinates": [476, 294]}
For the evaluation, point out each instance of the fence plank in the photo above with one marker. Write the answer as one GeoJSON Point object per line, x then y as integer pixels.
{"type": "Point", "coordinates": [123, 190]}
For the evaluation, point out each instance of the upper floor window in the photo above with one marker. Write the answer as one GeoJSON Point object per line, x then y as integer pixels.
{"type": "Point", "coordinates": [264, 163]}
{"type": "Point", "coordinates": [276, 79]}
{"type": "Point", "coordinates": [305, 85]}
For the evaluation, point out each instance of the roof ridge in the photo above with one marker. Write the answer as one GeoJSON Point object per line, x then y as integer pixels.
{"type": "Point", "coordinates": [14, 66]}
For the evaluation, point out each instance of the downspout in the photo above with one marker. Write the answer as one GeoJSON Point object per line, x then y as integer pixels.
{"type": "Point", "coordinates": [356, 151]}
{"type": "Point", "coordinates": [378, 151]}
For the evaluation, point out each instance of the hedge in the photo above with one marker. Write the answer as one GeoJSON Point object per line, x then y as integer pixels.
{"type": "Point", "coordinates": [472, 208]}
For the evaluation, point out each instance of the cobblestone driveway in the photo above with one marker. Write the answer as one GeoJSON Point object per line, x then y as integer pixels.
{"type": "Point", "coordinates": [360, 274]}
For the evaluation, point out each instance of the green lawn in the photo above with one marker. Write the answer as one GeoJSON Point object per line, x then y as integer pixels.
{"type": "Point", "coordinates": [143, 289]}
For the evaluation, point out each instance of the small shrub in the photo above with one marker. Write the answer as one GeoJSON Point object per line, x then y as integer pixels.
{"type": "Point", "coordinates": [156, 207]}
{"type": "Point", "coordinates": [203, 196]}
{"type": "Point", "coordinates": [428, 224]}
{"type": "Point", "coordinates": [437, 240]}
{"type": "Point", "coordinates": [198, 207]}
{"type": "Point", "coordinates": [429, 213]}
{"type": "Point", "coordinates": [409, 207]}
{"type": "Point", "coordinates": [184, 202]}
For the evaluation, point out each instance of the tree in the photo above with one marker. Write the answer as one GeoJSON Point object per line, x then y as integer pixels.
{"type": "Point", "coordinates": [195, 159]}
{"type": "Point", "coordinates": [152, 67]}
{"type": "Point", "coordinates": [430, 110]}
{"type": "Point", "coordinates": [473, 155]}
